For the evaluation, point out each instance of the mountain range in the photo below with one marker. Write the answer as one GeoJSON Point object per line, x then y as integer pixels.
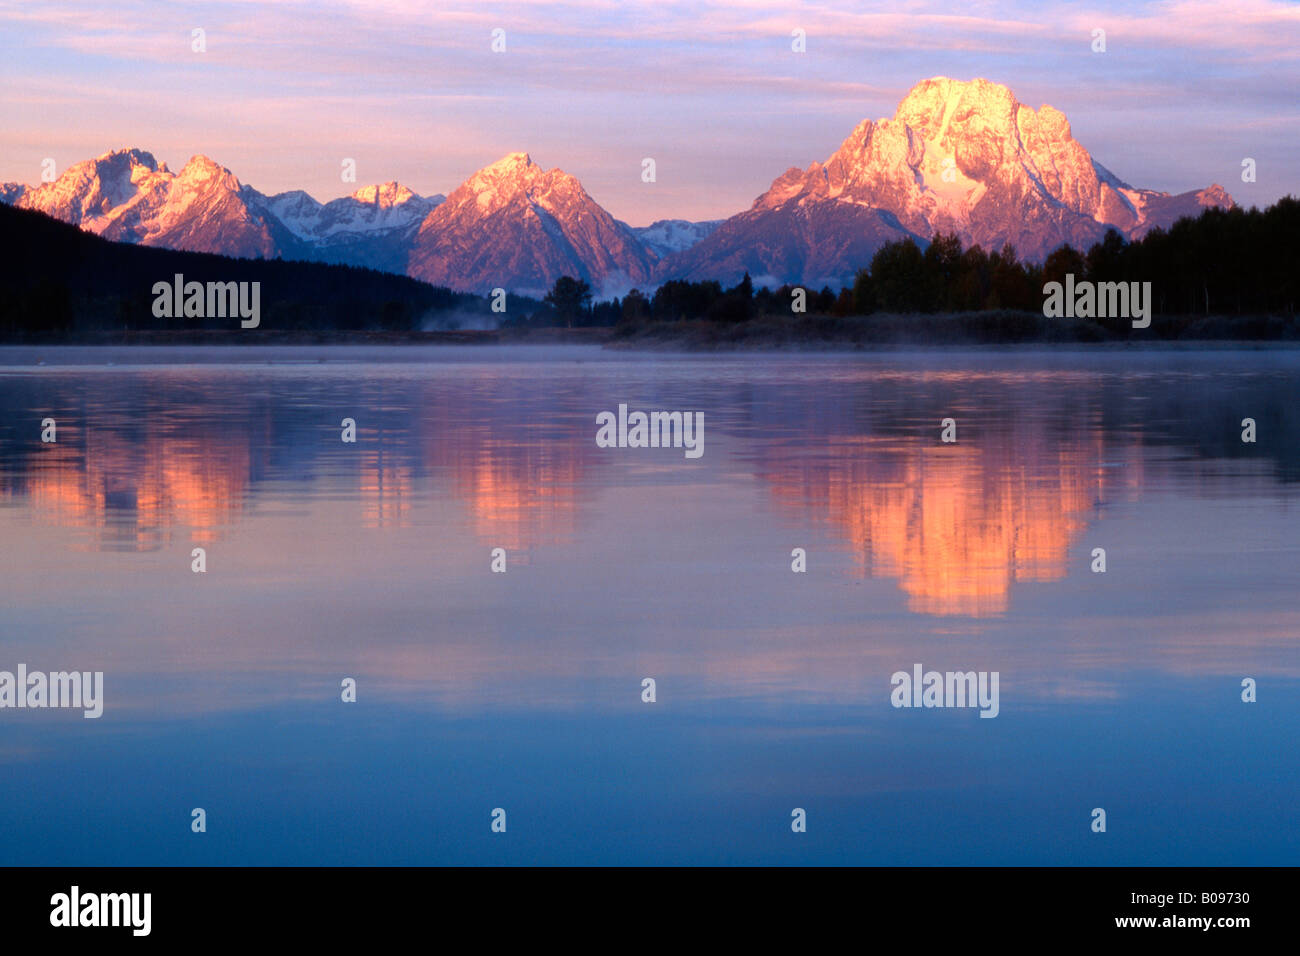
{"type": "Point", "coordinates": [957, 156]}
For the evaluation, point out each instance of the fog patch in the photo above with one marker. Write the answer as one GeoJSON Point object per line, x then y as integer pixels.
{"type": "Point", "coordinates": [616, 285]}
{"type": "Point", "coordinates": [460, 320]}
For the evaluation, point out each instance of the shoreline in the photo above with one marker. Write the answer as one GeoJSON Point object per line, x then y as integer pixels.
{"type": "Point", "coordinates": [885, 333]}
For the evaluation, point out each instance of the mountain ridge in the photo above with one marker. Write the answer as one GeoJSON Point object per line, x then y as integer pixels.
{"type": "Point", "coordinates": [962, 157]}
{"type": "Point", "coordinates": [957, 156]}
{"type": "Point", "coordinates": [516, 225]}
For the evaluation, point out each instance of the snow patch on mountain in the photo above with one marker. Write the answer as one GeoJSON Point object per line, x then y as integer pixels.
{"type": "Point", "coordinates": [370, 210]}
{"type": "Point", "coordinates": [126, 195]}
{"type": "Point", "coordinates": [666, 236]}
{"type": "Point", "coordinates": [516, 225]}
{"type": "Point", "coordinates": [962, 157]}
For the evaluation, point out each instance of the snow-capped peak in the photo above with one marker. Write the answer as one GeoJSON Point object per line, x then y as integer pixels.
{"type": "Point", "coordinates": [666, 236]}
{"type": "Point", "coordinates": [511, 162]}
{"type": "Point", "coordinates": [515, 178]}
{"type": "Point", "coordinates": [526, 226]}
{"type": "Point", "coordinates": [201, 170]}
{"type": "Point", "coordinates": [130, 158]}
{"type": "Point", "coordinates": [958, 156]}
{"type": "Point", "coordinates": [384, 195]}
{"type": "Point", "coordinates": [128, 196]}
{"type": "Point", "coordinates": [87, 192]}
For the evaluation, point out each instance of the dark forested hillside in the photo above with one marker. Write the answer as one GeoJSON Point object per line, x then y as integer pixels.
{"type": "Point", "coordinates": [57, 282]}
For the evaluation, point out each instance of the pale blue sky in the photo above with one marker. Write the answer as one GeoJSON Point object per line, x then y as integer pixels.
{"type": "Point", "coordinates": [711, 90]}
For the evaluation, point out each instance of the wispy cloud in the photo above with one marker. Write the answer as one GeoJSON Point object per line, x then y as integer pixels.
{"type": "Point", "coordinates": [712, 90]}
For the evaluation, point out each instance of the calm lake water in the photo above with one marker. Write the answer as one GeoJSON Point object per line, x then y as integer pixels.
{"type": "Point", "coordinates": [477, 690]}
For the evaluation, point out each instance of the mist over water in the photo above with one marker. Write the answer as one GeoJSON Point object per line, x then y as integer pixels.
{"type": "Point", "coordinates": [522, 690]}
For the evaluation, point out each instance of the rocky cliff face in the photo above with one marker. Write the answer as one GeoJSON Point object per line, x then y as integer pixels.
{"type": "Point", "coordinates": [963, 157]}
{"type": "Point", "coordinates": [128, 196]}
{"type": "Point", "coordinates": [374, 227]}
{"type": "Point", "coordinates": [516, 226]}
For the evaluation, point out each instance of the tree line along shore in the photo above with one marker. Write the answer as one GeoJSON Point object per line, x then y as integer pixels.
{"type": "Point", "coordinates": [1225, 275]}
